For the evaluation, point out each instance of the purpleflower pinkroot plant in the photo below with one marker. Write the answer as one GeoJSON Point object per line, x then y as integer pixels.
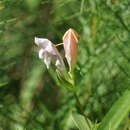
{"type": "Point", "coordinates": [49, 54]}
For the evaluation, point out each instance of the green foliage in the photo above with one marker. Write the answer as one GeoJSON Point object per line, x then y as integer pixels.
{"type": "Point", "coordinates": [117, 113]}
{"type": "Point", "coordinates": [30, 97]}
{"type": "Point", "coordinates": [81, 122]}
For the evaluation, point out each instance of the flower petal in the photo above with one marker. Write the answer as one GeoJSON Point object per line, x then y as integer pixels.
{"type": "Point", "coordinates": [47, 60]}
{"type": "Point", "coordinates": [42, 42]}
{"type": "Point", "coordinates": [49, 53]}
{"type": "Point", "coordinates": [41, 53]}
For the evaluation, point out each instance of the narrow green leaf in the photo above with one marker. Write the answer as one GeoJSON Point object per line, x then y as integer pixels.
{"type": "Point", "coordinates": [116, 114]}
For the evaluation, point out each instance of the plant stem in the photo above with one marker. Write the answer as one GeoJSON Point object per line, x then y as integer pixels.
{"type": "Point", "coordinates": [79, 106]}
{"type": "Point", "coordinates": [80, 109]}
{"type": "Point", "coordinates": [82, 6]}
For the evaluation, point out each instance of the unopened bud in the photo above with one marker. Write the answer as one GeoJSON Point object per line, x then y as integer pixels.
{"type": "Point", "coordinates": [70, 40]}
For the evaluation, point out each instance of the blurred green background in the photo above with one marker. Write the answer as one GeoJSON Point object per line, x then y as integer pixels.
{"type": "Point", "coordinates": [29, 96]}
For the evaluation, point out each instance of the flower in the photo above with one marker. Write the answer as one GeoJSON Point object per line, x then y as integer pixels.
{"type": "Point", "coordinates": [49, 53]}
{"type": "Point", "coordinates": [70, 40]}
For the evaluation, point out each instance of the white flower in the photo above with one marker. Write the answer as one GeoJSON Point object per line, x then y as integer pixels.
{"type": "Point", "coordinates": [49, 53]}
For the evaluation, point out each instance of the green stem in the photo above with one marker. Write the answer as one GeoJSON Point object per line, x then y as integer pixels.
{"type": "Point", "coordinates": [78, 104]}
{"type": "Point", "coordinates": [82, 6]}
{"type": "Point", "coordinates": [80, 108]}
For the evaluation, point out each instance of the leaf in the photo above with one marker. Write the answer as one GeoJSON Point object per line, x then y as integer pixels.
{"type": "Point", "coordinates": [3, 84]}
{"type": "Point", "coordinates": [116, 114]}
{"type": "Point", "coordinates": [80, 122]}
{"type": "Point", "coordinates": [64, 83]}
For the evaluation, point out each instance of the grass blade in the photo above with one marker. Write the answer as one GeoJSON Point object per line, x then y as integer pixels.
{"type": "Point", "coordinates": [116, 114]}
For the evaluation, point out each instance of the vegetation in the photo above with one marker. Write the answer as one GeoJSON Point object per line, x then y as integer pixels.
{"type": "Point", "coordinates": [31, 98]}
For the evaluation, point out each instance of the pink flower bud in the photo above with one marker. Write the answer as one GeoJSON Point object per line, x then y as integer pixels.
{"type": "Point", "coordinates": [70, 40]}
